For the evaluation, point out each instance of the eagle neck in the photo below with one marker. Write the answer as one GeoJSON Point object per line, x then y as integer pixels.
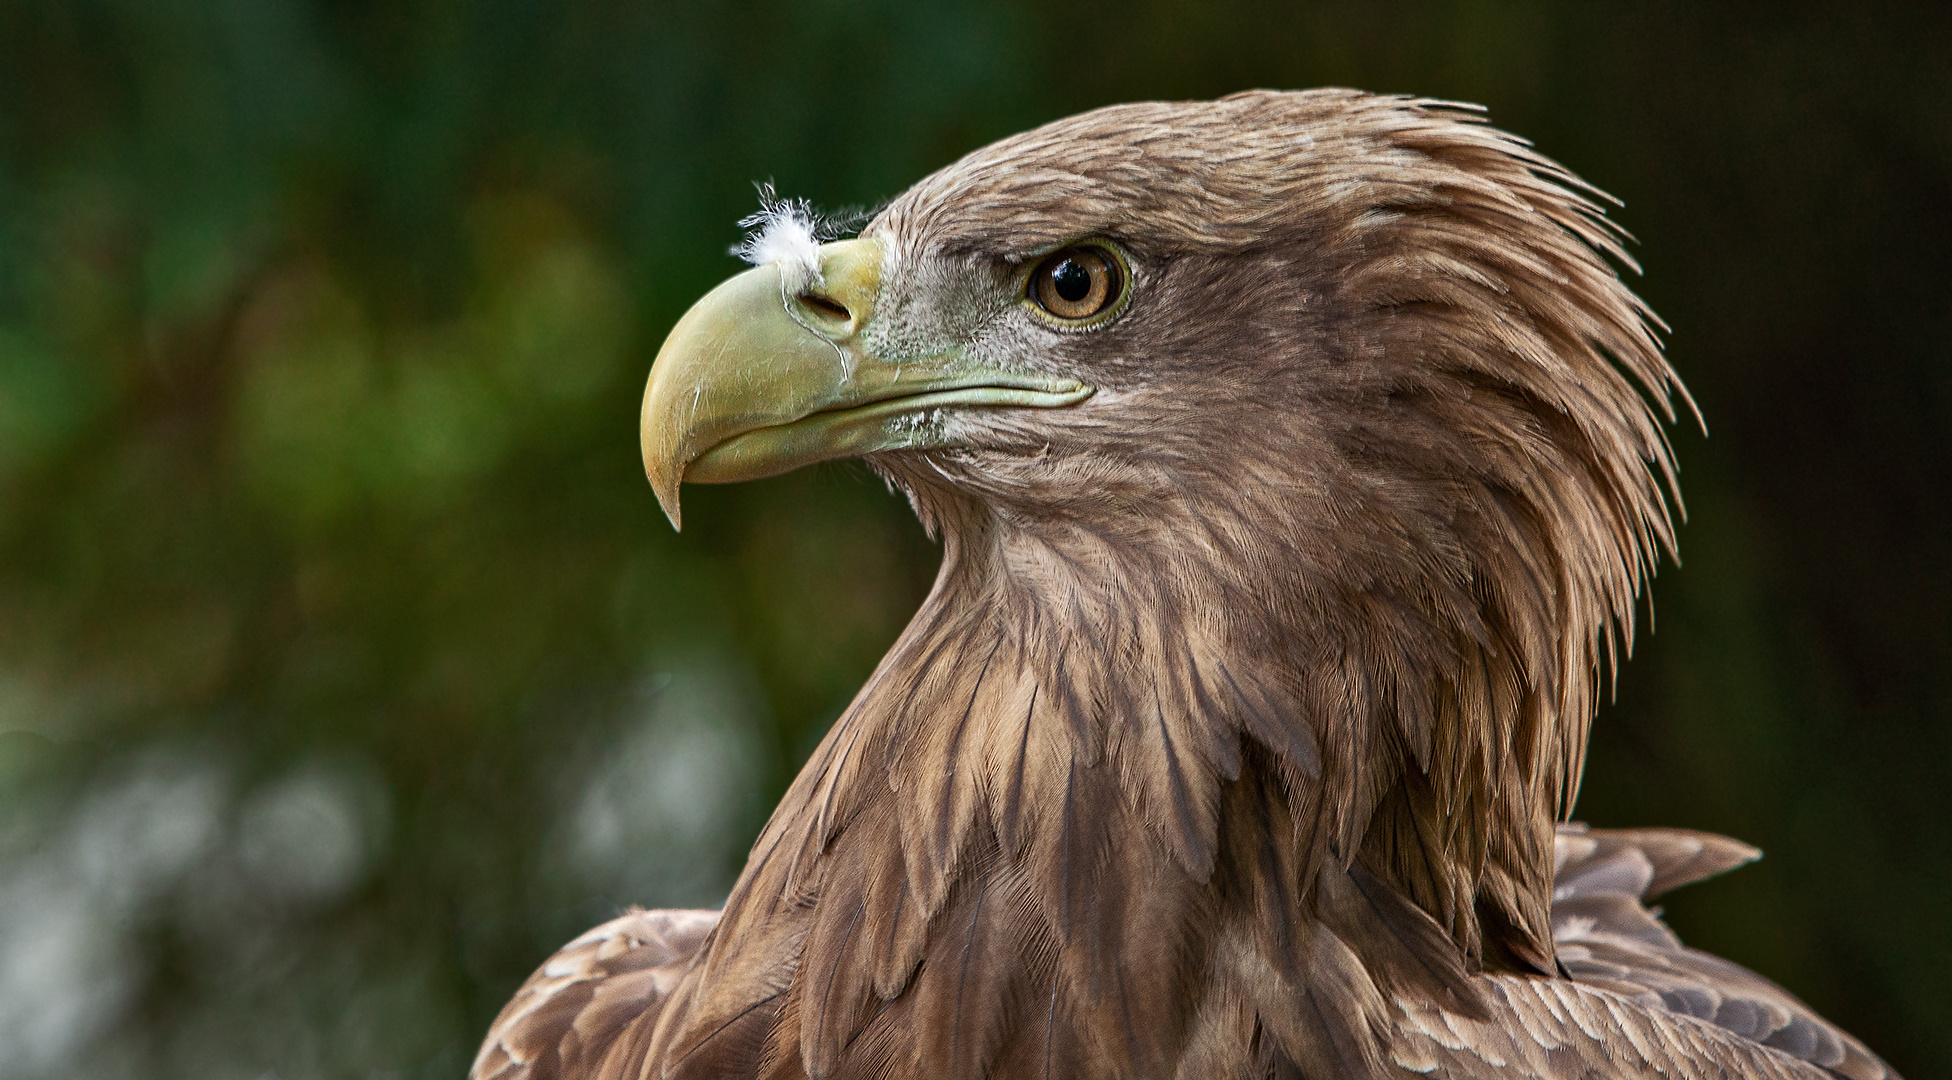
{"type": "Point", "coordinates": [1080, 777]}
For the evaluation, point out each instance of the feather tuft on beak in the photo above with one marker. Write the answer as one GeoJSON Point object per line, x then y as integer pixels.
{"type": "Point", "coordinates": [786, 233]}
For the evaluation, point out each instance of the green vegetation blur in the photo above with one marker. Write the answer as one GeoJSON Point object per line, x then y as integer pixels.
{"type": "Point", "coordinates": [347, 666]}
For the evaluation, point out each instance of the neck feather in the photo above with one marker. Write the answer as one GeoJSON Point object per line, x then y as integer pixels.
{"type": "Point", "coordinates": [1094, 776]}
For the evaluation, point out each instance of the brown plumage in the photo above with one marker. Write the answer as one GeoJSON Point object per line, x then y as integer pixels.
{"type": "Point", "coordinates": [1232, 737]}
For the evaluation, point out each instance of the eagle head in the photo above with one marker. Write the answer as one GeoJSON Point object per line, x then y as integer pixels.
{"type": "Point", "coordinates": [1328, 405]}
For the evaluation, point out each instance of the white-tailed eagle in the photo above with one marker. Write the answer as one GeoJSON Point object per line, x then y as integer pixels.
{"type": "Point", "coordinates": [1297, 459]}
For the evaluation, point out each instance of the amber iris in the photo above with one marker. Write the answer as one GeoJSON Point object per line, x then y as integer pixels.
{"type": "Point", "coordinates": [1075, 283]}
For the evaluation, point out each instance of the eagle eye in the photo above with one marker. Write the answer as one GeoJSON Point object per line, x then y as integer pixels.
{"type": "Point", "coordinates": [1076, 283]}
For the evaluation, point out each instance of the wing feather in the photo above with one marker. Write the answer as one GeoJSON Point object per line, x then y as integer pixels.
{"type": "Point", "coordinates": [564, 1020]}
{"type": "Point", "coordinates": [1607, 938]}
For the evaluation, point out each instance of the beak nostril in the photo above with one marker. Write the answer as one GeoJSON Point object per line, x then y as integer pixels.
{"type": "Point", "coordinates": [826, 306]}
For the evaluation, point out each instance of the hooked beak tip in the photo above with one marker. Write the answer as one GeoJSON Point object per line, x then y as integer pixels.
{"type": "Point", "coordinates": [666, 490]}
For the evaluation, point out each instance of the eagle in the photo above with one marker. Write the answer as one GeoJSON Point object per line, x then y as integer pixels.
{"type": "Point", "coordinates": [1298, 459]}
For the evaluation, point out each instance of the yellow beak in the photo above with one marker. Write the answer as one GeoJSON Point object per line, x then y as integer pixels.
{"type": "Point", "coordinates": [761, 377]}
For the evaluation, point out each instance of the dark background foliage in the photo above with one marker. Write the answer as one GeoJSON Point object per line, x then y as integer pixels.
{"type": "Point", "coordinates": [347, 666]}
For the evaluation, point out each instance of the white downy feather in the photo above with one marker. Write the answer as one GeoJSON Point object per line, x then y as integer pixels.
{"type": "Point", "coordinates": [787, 233]}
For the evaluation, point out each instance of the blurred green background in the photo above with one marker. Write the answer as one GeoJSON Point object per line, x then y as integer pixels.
{"type": "Point", "coordinates": [347, 666]}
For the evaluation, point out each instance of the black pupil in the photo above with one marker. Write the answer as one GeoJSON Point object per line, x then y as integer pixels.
{"type": "Point", "coordinates": [1072, 280]}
